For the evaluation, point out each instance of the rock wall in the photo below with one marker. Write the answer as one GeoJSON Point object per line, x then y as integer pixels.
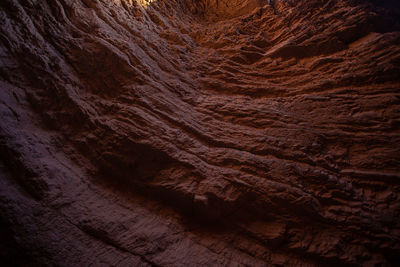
{"type": "Point", "coordinates": [199, 133]}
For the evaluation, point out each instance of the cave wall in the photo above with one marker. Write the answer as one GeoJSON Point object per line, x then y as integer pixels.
{"type": "Point", "coordinates": [199, 133]}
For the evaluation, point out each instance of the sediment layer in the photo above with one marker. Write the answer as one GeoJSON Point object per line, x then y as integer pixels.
{"type": "Point", "coordinates": [199, 133]}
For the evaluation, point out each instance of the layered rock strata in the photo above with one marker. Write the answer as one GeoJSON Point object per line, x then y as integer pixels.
{"type": "Point", "coordinates": [199, 133]}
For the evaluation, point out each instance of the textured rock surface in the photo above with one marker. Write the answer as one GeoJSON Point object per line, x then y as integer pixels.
{"type": "Point", "coordinates": [199, 133]}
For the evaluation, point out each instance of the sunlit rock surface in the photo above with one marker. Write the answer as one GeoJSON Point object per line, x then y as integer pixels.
{"type": "Point", "coordinates": [199, 133]}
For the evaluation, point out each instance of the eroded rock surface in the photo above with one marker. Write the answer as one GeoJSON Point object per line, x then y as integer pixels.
{"type": "Point", "coordinates": [199, 133]}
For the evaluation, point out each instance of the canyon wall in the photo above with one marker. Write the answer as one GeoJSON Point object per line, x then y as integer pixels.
{"type": "Point", "coordinates": [199, 133]}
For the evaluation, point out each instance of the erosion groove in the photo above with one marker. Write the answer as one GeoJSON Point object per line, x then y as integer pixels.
{"type": "Point", "coordinates": [199, 132]}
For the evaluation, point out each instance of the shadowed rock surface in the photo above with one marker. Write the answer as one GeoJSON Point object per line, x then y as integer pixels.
{"type": "Point", "coordinates": [199, 133]}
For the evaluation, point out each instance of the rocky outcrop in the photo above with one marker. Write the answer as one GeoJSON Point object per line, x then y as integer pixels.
{"type": "Point", "coordinates": [199, 133]}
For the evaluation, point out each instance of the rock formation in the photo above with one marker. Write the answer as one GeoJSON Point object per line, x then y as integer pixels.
{"type": "Point", "coordinates": [199, 133]}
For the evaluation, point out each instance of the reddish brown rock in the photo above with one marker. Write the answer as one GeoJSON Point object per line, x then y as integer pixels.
{"type": "Point", "coordinates": [199, 133]}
